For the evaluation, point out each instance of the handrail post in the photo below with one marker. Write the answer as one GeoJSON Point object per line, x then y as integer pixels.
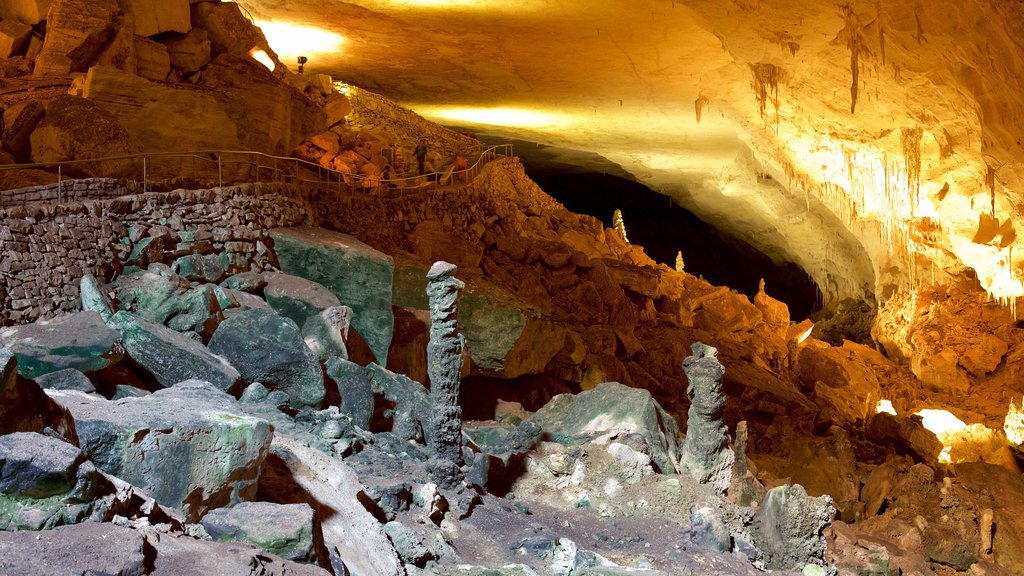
{"type": "Point", "coordinates": [145, 178]}
{"type": "Point", "coordinates": [257, 168]}
{"type": "Point", "coordinates": [220, 174]}
{"type": "Point", "coordinates": [59, 167]}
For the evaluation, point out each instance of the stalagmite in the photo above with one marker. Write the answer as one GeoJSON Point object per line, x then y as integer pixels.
{"type": "Point", "coordinates": [706, 453]}
{"type": "Point", "coordinates": [679, 261]}
{"type": "Point", "coordinates": [444, 363]}
{"type": "Point", "coordinates": [619, 224]}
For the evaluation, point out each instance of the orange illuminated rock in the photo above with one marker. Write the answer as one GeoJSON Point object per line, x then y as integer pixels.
{"type": "Point", "coordinates": [76, 33]}
{"type": "Point", "coordinates": [14, 38]}
{"type": "Point", "coordinates": [156, 16]}
{"type": "Point", "coordinates": [29, 12]}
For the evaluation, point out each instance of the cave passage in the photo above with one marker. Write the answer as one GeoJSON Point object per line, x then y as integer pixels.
{"type": "Point", "coordinates": [661, 226]}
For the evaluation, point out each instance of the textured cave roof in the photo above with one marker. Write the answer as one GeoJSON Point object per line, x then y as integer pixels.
{"type": "Point", "coordinates": [778, 157]}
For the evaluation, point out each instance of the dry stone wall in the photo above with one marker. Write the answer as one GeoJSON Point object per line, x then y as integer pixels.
{"type": "Point", "coordinates": [46, 248]}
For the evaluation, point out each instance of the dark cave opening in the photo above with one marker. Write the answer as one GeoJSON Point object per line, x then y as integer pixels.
{"type": "Point", "coordinates": [661, 226]}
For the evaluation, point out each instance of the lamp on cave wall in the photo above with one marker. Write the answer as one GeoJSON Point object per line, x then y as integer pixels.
{"type": "Point", "coordinates": [301, 60]}
{"type": "Point", "coordinates": [263, 58]}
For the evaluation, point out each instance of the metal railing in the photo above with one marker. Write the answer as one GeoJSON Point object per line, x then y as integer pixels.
{"type": "Point", "coordinates": [236, 166]}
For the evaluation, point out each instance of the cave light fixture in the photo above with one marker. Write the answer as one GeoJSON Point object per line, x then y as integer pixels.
{"type": "Point", "coordinates": [1013, 424]}
{"type": "Point", "coordinates": [946, 427]}
{"type": "Point", "coordinates": [291, 40]}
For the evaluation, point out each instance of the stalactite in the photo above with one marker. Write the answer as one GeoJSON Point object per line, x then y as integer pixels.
{"type": "Point", "coordinates": [698, 106]}
{"type": "Point", "coordinates": [853, 35]}
{"type": "Point", "coordinates": [910, 139]}
{"type": "Point", "coordinates": [766, 86]}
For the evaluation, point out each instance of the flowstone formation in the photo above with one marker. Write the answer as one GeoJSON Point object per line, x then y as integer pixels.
{"type": "Point", "coordinates": [444, 364]}
{"type": "Point", "coordinates": [706, 453]}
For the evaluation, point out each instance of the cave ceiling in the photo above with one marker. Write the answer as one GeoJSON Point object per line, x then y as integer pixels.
{"type": "Point", "coordinates": [874, 143]}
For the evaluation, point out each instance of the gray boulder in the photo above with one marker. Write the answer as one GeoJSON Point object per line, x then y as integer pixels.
{"type": "Point", "coordinates": [356, 390]}
{"type": "Point", "coordinates": [297, 298]}
{"type": "Point", "coordinates": [177, 555]}
{"type": "Point", "coordinates": [268, 348]}
{"type": "Point", "coordinates": [285, 530]}
{"type": "Point", "coordinates": [789, 527]}
{"type": "Point", "coordinates": [613, 408]}
{"type": "Point", "coordinates": [172, 357]}
{"type": "Point", "coordinates": [44, 482]}
{"type": "Point", "coordinates": [24, 407]}
{"type": "Point", "coordinates": [410, 416]}
{"type": "Point", "coordinates": [98, 548]}
{"type": "Point", "coordinates": [201, 267]}
{"type": "Point", "coordinates": [188, 446]}
{"type": "Point", "coordinates": [327, 332]}
{"type": "Point", "coordinates": [245, 282]}
{"type": "Point", "coordinates": [81, 340]}
{"type": "Point", "coordinates": [167, 299]}
{"type": "Point", "coordinates": [66, 379]}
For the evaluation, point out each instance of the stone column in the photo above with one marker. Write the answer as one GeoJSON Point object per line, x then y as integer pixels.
{"type": "Point", "coordinates": [706, 453]}
{"type": "Point", "coordinates": [444, 364]}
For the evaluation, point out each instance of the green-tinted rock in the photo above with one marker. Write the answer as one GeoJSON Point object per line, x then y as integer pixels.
{"type": "Point", "coordinates": [201, 267]}
{"type": "Point", "coordinates": [297, 298]}
{"type": "Point", "coordinates": [188, 446]}
{"type": "Point", "coordinates": [67, 379]}
{"type": "Point", "coordinates": [360, 276]}
{"type": "Point", "coordinates": [491, 329]}
{"type": "Point", "coordinates": [285, 530]}
{"type": "Point", "coordinates": [172, 357]}
{"type": "Point", "coordinates": [614, 407]}
{"type": "Point", "coordinates": [81, 341]}
{"type": "Point", "coordinates": [37, 466]}
{"type": "Point", "coordinates": [95, 296]}
{"type": "Point", "coordinates": [246, 282]}
{"type": "Point", "coordinates": [412, 407]}
{"type": "Point", "coordinates": [268, 348]}
{"type": "Point", "coordinates": [166, 299]}
{"type": "Point", "coordinates": [326, 332]}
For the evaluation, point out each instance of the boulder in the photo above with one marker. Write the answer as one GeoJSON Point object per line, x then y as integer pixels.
{"type": "Point", "coordinates": [37, 466]}
{"type": "Point", "coordinates": [612, 408]}
{"type": "Point", "coordinates": [410, 417]}
{"type": "Point", "coordinates": [843, 379]}
{"type": "Point", "coordinates": [14, 37]}
{"type": "Point", "coordinates": [356, 390]}
{"type": "Point", "coordinates": [229, 30]}
{"type": "Point", "coordinates": [75, 128]}
{"type": "Point", "coordinates": [167, 300]}
{"type": "Point", "coordinates": [152, 59]}
{"type": "Point", "coordinates": [908, 435]}
{"type": "Point", "coordinates": [190, 52]}
{"type": "Point", "coordinates": [157, 16]}
{"type": "Point", "coordinates": [250, 282]}
{"type": "Point", "coordinates": [201, 267]}
{"type": "Point", "coordinates": [24, 407]}
{"type": "Point", "coordinates": [80, 340]}
{"type": "Point", "coordinates": [350, 533]}
{"type": "Point", "coordinates": [360, 276]}
{"type": "Point", "coordinates": [76, 33]}
{"type": "Point", "coordinates": [66, 379]}
{"type": "Point", "coordinates": [189, 446]}
{"type": "Point", "coordinates": [245, 300]}
{"type": "Point", "coordinates": [29, 12]}
{"type": "Point", "coordinates": [178, 554]}
{"type": "Point", "coordinates": [99, 548]}
{"type": "Point", "coordinates": [171, 357]}
{"type": "Point", "coordinates": [268, 348]}
{"type": "Point", "coordinates": [297, 298]}
{"type": "Point", "coordinates": [285, 530]}
{"type": "Point", "coordinates": [330, 334]}
{"type": "Point", "coordinates": [789, 527]}
{"type": "Point", "coordinates": [95, 296]}
{"type": "Point", "coordinates": [337, 108]}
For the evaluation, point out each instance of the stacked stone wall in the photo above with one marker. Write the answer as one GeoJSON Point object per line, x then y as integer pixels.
{"type": "Point", "coordinates": [45, 248]}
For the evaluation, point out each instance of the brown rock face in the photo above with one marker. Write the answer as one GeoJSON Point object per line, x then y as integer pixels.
{"type": "Point", "coordinates": [77, 32]}
{"type": "Point", "coordinates": [75, 128]}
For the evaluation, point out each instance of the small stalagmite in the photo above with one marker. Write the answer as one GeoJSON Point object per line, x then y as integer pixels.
{"type": "Point", "coordinates": [706, 453]}
{"type": "Point", "coordinates": [444, 363]}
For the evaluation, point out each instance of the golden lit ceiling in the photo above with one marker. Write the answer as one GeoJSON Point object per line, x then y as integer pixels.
{"type": "Point", "coordinates": [872, 142]}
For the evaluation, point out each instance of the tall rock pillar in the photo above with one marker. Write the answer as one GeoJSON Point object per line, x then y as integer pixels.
{"type": "Point", "coordinates": [706, 453]}
{"type": "Point", "coordinates": [444, 364]}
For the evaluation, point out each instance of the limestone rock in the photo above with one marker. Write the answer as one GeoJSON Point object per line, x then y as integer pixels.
{"type": "Point", "coordinates": [156, 16]}
{"type": "Point", "coordinates": [285, 530]}
{"type": "Point", "coordinates": [788, 528]}
{"type": "Point", "coordinates": [171, 357]}
{"type": "Point", "coordinates": [843, 379]}
{"type": "Point", "coordinates": [166, 300]}
{"type": "Point", "coordinates": [202, 267]}
{"type": "Point", "coordinates": [337, 108]}
{"type": "Point", "coordinates": [76, 32]}
{"type": "Point", "coordinates": [24, 407]}
{"type": "Point", "coordinates": [330, 333]}
{"type": "Point", "coordinates": [333, 490]}
{"type": "Point", "coordinates": [412, 409]}
{"type": "Point", "coordinates": [706, 454]}
{"type": "Point", "coordinates": [358, 275]}
{"type": "Point", "coordinates": [190, 52]}
{"type": "Point", "coordinates": [356, 390]}
{"type": "Point", "coordinates": [245, 282]}
{"type": "Point", "coordinates": [179, 554]}
{"type": "Point", "coordinates": [229, 30]}
{"type": "Point", "coordinates": [612, 407]}
{"type": "Point", "coordinates": [14, 37]}
{"type": "Point", "coordinates": [29, 12]}
{"type": "Point", "coordinates": [67, 379]}
{"type": "Point", "coordinates": [95, 296]}
{"type": "Point", "coordinates": [80, 340]}
{"type": "Point", "coordinates": [297, 298]}
{"type": "Point", "coordinates": [75, 128]}
{"type": "Point", "coordinates": [268, 348]}
{"type": "Point", "coordinates": [444, 366]}
{"type": "Point", "coordinates": [37, 466]}
{"type": "Point", "coordinates": [99, 548]}
{"type": "Point", "coordinates": [907, 434]}
{"type": "Point", "coordinates": [985, 356]}
{"type": "Point", "coordinates": [154, 62]}
{"type": "Point", "coordinates": [189, 446]}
